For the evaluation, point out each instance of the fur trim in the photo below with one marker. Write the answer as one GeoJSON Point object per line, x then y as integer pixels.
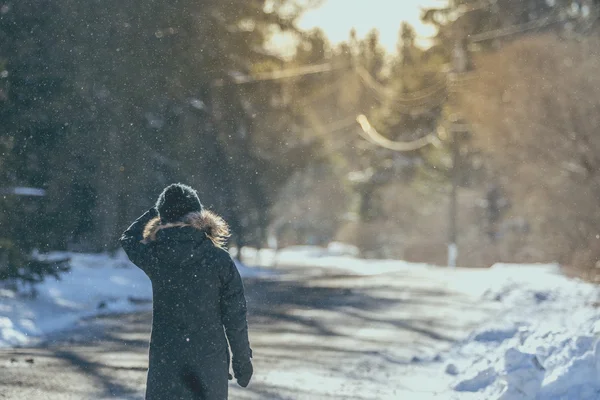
{"type": "Point", "coordinates": [214, 226]}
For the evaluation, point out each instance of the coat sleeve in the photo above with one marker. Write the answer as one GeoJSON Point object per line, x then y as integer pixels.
{"type": "Point", "coordinates": [138, 252]}
{"type": "Point", "coordinates": [233, 311]}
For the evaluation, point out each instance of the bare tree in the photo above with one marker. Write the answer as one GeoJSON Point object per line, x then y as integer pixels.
{"type": "Point", "coordinates": [536, 104]}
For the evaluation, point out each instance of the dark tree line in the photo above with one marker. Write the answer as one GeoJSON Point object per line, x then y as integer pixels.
{"type": "Point", "coordinates": [103, 103]}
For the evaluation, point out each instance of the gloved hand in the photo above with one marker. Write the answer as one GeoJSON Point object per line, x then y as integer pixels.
{"type": "Point", "coordinates": [243, 370]}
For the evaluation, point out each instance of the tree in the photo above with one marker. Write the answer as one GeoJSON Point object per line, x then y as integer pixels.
{"type": "Point", "coordinates": [411, 109]}
{"type": "Point", "coordinates": [488, 23]}
{"type": "Point", "coordinates": [32, 81]}
{"type": "Point", "coordinates": [104, 103]}
{"type": "Point", "coordinates": [537, 126]}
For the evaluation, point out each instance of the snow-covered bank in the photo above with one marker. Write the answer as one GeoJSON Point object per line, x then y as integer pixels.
{"type": "Point", "coordinates": [540, 342]}
{"type": "Point", "coordinates": [335, 256]}
{"type": "Point", "coordinates": [97, 284]}
{"type": "Point", "coordinates": [543, 345]}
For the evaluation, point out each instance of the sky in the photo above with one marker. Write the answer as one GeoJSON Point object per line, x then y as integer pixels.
{"type": "Point", "coordinates": [338, 17]}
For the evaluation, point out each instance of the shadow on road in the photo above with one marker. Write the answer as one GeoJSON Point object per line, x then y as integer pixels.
{"type": "Point", "coordinates": [302, 321]}
{"type": "Point", "coordinates": [272, 302]}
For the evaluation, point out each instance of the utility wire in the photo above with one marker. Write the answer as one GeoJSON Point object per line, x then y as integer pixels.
{"type": "Point", "coordinates": [417, 96]}
{"type": "Point", "coordinates": [456, 80]}
{"type": "Point", "coordinates": [467, 8]}
{"type": "Point", "coordinates": [333, 127]}
{"type": "Point", "coordinates": [329, 129]}
{"type": "Point", "coordinates": [410, 102]}
{"type": "Point", "coordinates": [283, 74]}
{"type": "Point", "coordinates": [423, 95]}
{"type": "Point", "coordinates": [475, 6]}
{"type": "Point", "coordinates": [328, 67]}
{"type": "Point", "coordinates": [417, 105]}
{"type": "Point", "coordinates": [376, 138]}
{"type": "Point", "coordinates": [372, 83]}
{"type": "Point", "coordinates": [323, 92]}
{"type": "Point", "coordinates": [451, 83]}
{"type": "Point", "coordinates": [364, 135]}
{"type": "Point", "coordinates": [514, 29]}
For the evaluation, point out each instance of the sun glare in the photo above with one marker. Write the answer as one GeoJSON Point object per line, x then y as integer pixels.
{"type": "Point", "coordinates": [337, 17]}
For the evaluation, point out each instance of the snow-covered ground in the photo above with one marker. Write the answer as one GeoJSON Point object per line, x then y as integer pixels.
{"type": "Point", "coordinates": [97, 284]}
{"type": "Point", "coordinates": [542, 343]}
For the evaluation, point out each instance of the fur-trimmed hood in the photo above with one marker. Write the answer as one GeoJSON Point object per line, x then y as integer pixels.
{"type": "Point", "coordinates": [214, 226]}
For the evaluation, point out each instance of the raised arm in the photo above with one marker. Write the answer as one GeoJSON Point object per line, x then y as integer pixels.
{"type": "Point", "coordinates": [132, 238]}
{"type": "Point", "coordinates": [233, 313]}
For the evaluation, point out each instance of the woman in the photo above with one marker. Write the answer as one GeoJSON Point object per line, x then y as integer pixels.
{"type": "Point", "coordinates": [198, 299]}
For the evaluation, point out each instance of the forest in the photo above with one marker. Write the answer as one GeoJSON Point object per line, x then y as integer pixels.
{"type": "Point", "coordinates": [104, 103]}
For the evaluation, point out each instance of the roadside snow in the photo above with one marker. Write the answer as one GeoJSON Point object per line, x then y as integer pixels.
{"type": "Point", "coordinates": [543, 345]}
{"type": "Point", "coordinates": [97, 284]}
{"type": "Point", "coordinates": [335, 256]}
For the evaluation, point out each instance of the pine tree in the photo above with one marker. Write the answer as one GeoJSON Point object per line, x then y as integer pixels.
{"type": "Point", "coordinates": [32, 81]}
{"type": "Point", "coordinates": [107, 102]}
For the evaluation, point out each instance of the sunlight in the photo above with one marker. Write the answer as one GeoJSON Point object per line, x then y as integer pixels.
{"type": "Point", "coordinates": [303, 199]}
{"type": "Point", "coordinates": [338, 17]}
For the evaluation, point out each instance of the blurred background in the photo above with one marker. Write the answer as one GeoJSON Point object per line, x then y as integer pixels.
{"type": "Point", "coordinates": [400, 127]}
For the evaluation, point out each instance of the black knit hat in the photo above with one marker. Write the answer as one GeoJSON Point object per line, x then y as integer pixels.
{"type": "Point", "coordinates": [176, 201]}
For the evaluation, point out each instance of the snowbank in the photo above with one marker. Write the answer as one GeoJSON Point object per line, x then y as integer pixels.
{"type": "Point", "coordinates": [97, 284]}
{"type": "Point", "coordinates": [543, 345]}
{"type": "Point", "coordinates": [335, 256]}
{"type": "Point", "coordinates": [542, 342]}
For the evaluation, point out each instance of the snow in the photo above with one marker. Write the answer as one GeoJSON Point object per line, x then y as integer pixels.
{"type": "Point", "coordinates": [540, 342]}
{"type": "Point", "coordinates": [542, 345]}
{"type": "Point", "coordinates": [543, 342]}
{"type": "Point", "coordinates": [335, 256]}
{"type": "Point", "coordinates": [97, 284]}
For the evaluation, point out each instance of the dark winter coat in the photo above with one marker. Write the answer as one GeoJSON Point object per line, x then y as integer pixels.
{"type": "Point", "coordinates": [198, 304]}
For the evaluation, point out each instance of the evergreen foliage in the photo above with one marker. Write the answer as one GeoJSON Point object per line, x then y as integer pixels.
{"type": "Point", "coordinates": [103, 103]}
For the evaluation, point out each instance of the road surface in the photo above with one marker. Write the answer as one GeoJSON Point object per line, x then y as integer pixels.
{"type": "Point", "coordinates": [316, 334]}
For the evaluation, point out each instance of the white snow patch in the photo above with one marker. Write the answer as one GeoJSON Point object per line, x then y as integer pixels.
{"type": "Point", "coordinates": [543, 344]}
{"type": "Point", "coordinates": [97, 284]}
{"type": "Point", "coordinates": [335, 256]}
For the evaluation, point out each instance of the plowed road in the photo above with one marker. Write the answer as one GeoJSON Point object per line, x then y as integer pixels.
{"type": "Point", "coordinates": [316, 334]}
